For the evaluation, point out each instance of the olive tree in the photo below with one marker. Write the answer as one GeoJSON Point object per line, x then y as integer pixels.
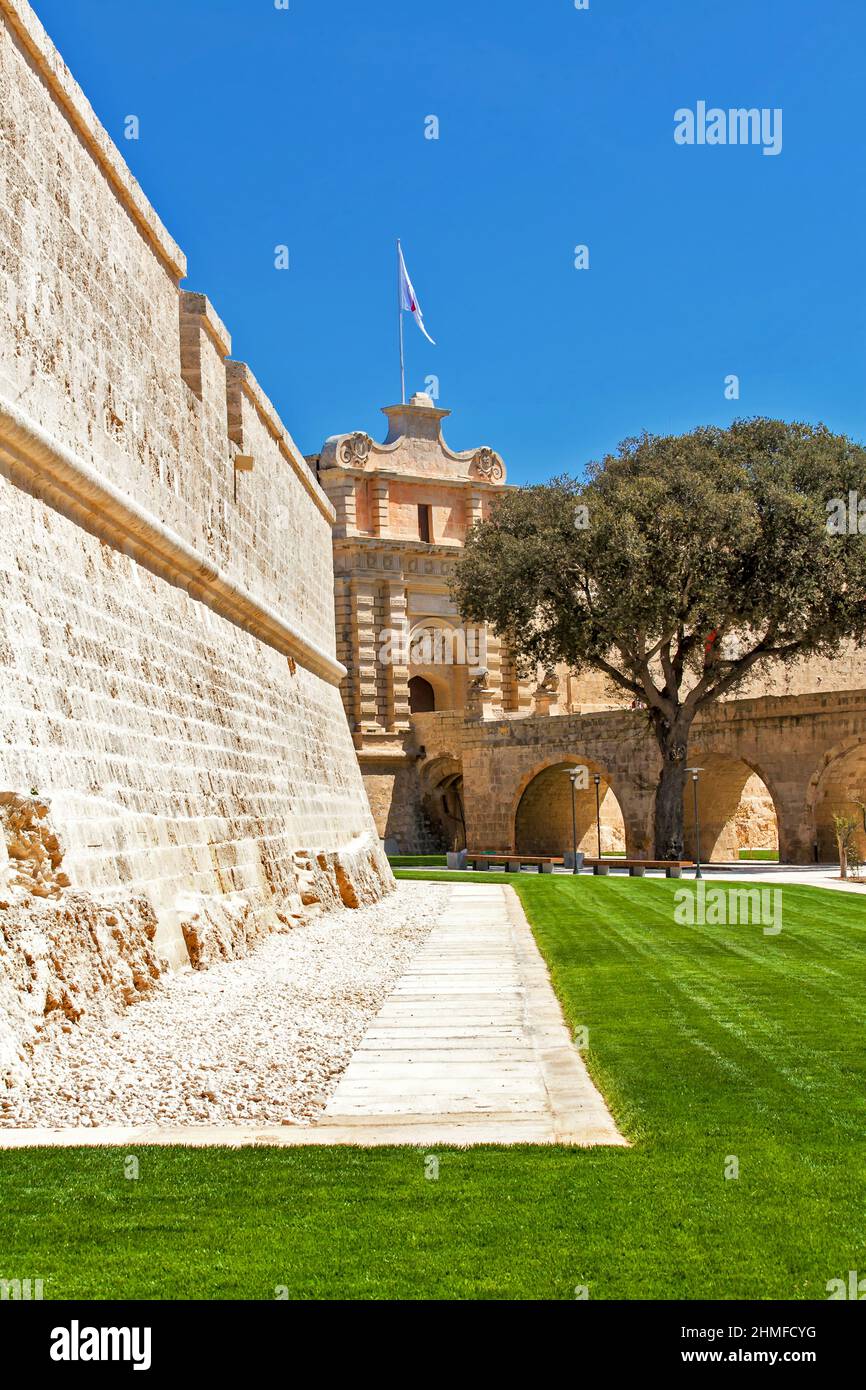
{"type": "Point", "coordinates": [679, 567]}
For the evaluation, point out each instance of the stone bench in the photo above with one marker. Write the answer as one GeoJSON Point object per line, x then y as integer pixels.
{"type": "Point", "coordinates": [637, 867]}
{"type": "Point", "coordinates": [512, 863]}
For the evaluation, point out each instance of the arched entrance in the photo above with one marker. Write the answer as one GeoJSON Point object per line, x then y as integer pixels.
{"type": "Point", "coordinates": [836, 791]}
{"type": "Point", "coordinates": [437, 659]}
{"type": "Point", "coordinates": [736, 810]}
{"type": "Point", "coordinates": [542, 820]}
{"type": "Point", "coordinates": [442, 800]}
{"type": "Point", "coordinates": [422, 697]}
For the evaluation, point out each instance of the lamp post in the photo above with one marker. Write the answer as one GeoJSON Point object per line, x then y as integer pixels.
{"type": "Point", "coordinates": [696, 771]}
{"type": "Point", "coordinates": [573, 774]}
{"type": "Point", "coordinates": [597, 780]}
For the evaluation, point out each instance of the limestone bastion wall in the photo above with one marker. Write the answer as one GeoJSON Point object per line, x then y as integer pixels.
{"type": "Point", "coordinates": [176, 771]}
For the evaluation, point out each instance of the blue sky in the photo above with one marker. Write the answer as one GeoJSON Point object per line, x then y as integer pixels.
{"type": "Point", "coordinates": [306, 127]}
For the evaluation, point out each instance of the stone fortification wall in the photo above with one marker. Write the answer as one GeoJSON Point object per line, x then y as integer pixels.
{"type": "Point", "coordinates": [167, 648]}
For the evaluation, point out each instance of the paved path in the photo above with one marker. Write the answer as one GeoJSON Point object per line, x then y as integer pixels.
{"type": "Point", "coordinates": [822, 876]}
{"type": "Point", "coordinates": [471, 1044]}
{"type": "Point", "coordinates": [470, 1048]}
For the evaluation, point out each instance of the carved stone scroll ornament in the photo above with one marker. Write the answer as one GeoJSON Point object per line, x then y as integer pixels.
{"type": "Point", "coordinates": [355, 450]}
{"type": "Point", "coordinates": [487, 465]}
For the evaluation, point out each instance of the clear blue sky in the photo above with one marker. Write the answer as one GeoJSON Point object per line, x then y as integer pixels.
{"type": "Point", "coordinates": [306, 127]}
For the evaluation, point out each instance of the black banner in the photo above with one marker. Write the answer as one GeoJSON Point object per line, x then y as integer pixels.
{"type": "Point", "coordinates": [81, 1339]}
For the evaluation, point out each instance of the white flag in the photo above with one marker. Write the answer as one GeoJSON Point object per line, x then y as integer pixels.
{"type": "Point", "coordinates": [408, 297]}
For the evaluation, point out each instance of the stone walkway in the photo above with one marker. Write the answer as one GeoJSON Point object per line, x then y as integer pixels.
{"type": "Point", "coordinates": [470, 1048]}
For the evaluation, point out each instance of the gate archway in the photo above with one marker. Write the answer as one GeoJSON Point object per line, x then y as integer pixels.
{"type": "Point", "coordinates": [836, 790]}
{"type": "Point", "coordinates": [542, 816]}
{"type": "Point", "coordinates": [736, 808]}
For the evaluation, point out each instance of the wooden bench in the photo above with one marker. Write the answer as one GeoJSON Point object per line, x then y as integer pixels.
{"type": "Point", "coordinates": [637, 867]}
{"type": "Point", "coordinates": [512, 863]}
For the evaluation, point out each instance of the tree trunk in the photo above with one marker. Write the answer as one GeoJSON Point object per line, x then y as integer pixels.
{"type": "Point", "coordinates": [673, 742]}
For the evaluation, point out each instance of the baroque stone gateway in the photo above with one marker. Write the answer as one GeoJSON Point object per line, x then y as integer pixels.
{"type": "Point", "coordinates": [177, 775]}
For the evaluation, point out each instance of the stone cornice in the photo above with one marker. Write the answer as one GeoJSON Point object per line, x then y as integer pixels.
{"type": "Point", "coordinates": [66, 92]}
{"type": "Point", "coordinates": [395, 544]}
{"type": "Point", "coordinates": [45, 468]}
{"type": "Point", "coordinates": [394, 475]}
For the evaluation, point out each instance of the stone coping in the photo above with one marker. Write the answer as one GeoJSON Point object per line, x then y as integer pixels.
{"type": "Point", "coordinates": [48, 62]}
{"type": "Point", "coordinates": [239, 376]}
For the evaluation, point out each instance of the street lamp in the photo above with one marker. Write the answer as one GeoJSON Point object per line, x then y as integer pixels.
{"type": "Point", "coordinates": [597, 780]}
{"type": "Point", "coordinates": [574, 775]}
{"type": "Point", "coordinates": [696, 771]}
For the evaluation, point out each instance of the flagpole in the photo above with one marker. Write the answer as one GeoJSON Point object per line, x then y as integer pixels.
{"type": "Point", "coordinates": [400, 317]}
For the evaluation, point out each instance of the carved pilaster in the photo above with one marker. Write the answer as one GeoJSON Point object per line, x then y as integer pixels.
{"type": "Point", "coordinates": [397, 674]}
{"type": "Point", "coordinates": [342, 496]}
{"type": "Point", "coordinates": [380, 507]}
{"type": "Point", "coordinates": [473, 508]}
{"type": "Point", "coordinates": [365, 643]}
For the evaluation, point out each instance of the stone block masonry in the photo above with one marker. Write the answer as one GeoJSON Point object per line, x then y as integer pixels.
{"type": "Point", "coordinates": [172, 721]}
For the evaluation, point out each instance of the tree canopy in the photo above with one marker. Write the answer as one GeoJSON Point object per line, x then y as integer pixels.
{"type": "Point", "coordinates": [678, 566]}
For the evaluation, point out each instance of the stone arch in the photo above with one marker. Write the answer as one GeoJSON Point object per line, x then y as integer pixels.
{"type": "Point", "coordinates": [541, 811]}
{"type": "Point", "coordinates": [738, 808]}
{"type": "Point", "coordinates": [442, 799]}
{"type": "Point", "coordinates": [835, 787]}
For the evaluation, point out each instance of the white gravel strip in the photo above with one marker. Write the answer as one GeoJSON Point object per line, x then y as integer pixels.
{"type": "Point", "coordinates": [263, 1039]}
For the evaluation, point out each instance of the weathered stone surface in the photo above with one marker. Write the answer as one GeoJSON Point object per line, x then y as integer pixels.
{"type": "Point", "coordinates": [62, 961]}
{"type": "Point", "coordinates": [261, 1040]}
{"type": "Point", "coordinates": [32, 848]}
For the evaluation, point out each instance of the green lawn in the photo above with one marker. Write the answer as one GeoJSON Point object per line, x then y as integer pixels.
{"type": "Point", "coordinates": [709, 1042]}
{"type": "Point", "coordinates": [769, 854]}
